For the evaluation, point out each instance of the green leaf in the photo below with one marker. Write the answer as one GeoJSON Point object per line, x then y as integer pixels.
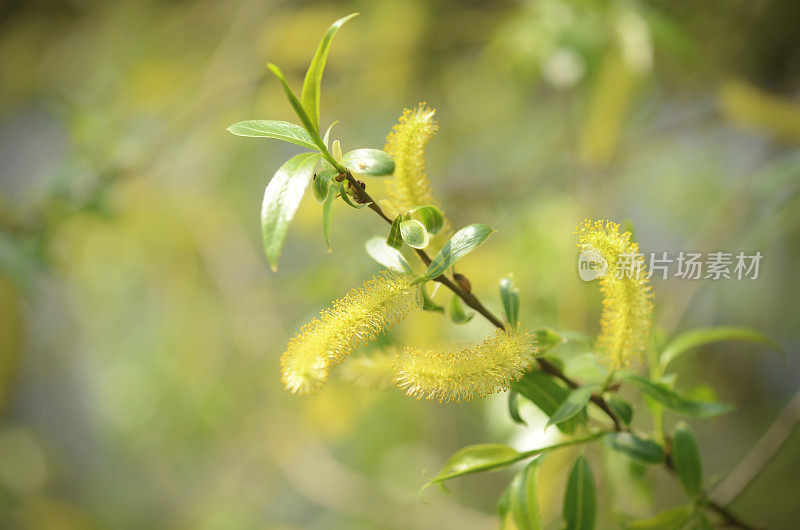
{"type": "Point", "coordinates": [474, 459]}
{"type": "Point", "coordinates": [645, 451]}
{"type": "Point", "coordinates": [524, 497]}
{"type": "Point", "coordinates": [671, 400]}
{"type": "Point", "coordinates": [509, 294]}
{"type": "Point", "coordinates": [313, 80]}
{"type": "Point", "coordinates": [513, 408]}
{"type": "Point", "coordinates": [686, 459]}
{"type": "Point", "coordinates": [431, 217]}
{"type": "Point", "coordinates": [457, 313]}
{"type": "Point", "coordinates": [546, 339]}
{"type": "Point", "coordinates": [575, 403]}
{"type": "Point", "coordinates": [281, 199]}
{"type": "Point", "coordinates": [300, 111]}
{"type": "Point", "coordinates": [427, 302]}
{"type": "Point", "coordinates": [327, 213]}
{"type": "Point", "coordinates": [322, 181]}
{"type": "Point", "coordinates": [395, 240]}
{"type": "Point", "coordinates": [387, 256]}
{"type": "Point", "coordinates": [462, 243]}
{"type": "Point", "coordinates": [669, 519]}
{"type": "Point", "coordinates": [504, 507]}
{"type": "Point", "coordinates": [327, 136]}
{"type": "Point", "coordinates": [370, 162]}
{"type": "Point", "coordinates": [280, 130]}
{"type": "Point", "coordinates": [348, 201]}
{"type": "Point", "coordinates": [621, 408]}
{"type": "Point", "coordinates": [580, 500]}
{"type": "Point", "coordinates": [698, 337]}
{"type": "Point", "coordinates": [414, 234]}
{"type": "Point", "coordinates": [547, 394]}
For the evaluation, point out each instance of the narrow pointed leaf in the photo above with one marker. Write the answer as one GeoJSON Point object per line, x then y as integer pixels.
{"type": "Point", "coordinates": [327, 137]}
{"type": "Point", "coordinates": [281, 199]}
{"type": "Point", "coordinates": [548, 395]}
{"type": "Point", "coordinates": [414, 233]}
{"type": "Point", "coordinates": [524, 497]}
{"type": "Point", "coordinates": [462, 243]}
{"type": "Point", "coordinates": [686, 459]}
{"type": "Point", "coordinates": [301, 113]}
{"type": "Point", "coordinates": [670, 399]}
{"type": "Point", "coordinates": [513, 408]}
{"type": "Point", "coordinates": [280, 130]}
{"type": "Point", "coordinates": [370, 162]}
{"type": "Point", "coordinates": [509, 294]}
{"type": "Point", "coordinates": [313, 81]}
{"type": "Point", "coordinates": [645, 451]}
{"type": "Point", "coordinates": [476, 458]}
{"type": "Point", "coordinates": [580, 499]}
{"type": "Point", "coordinates": [386, 255]}
{"type": "Point", "coordinates": [699, 337]}
{"type": "Point", "coordinates": [669, 519]}
{"type": "Point", "coordinates": [394, 239]}
{"type": "Point", "coordinates": [575, 403]}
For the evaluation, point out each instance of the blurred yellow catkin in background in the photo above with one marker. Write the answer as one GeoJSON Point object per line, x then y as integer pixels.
{"type": "Point", "coordinates": [625, 322]}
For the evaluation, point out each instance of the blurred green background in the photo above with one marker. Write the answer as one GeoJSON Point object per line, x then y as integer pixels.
{"type": "Point", "coordinates": [140, 327]}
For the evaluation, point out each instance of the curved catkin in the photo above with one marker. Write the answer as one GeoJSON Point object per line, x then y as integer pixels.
{"type": "Point", "coordinates": [375, 371]}
{"type": "Point", "coordinates": [410, 187]}
{"type": "Point", "coordinates": [449, 375]}
{"type": "Point", "coordinates": [627, 294]}
{"type": "Point", "coordinates": [356, 319]}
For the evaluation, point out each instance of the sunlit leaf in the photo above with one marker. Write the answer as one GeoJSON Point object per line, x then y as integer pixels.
{"type": "Point", "coordinates": [673, 401]}
{"type": "Point", "coordinates": [327, 137]}
{"type": "Point", "coordinates": [313, 81]}
{"type": "Point", "coordinates": [462, 243]}
{"type": "Point", "coordinates": [548, 395]}
{"type": "Point", "coordinates": [370, 162]}
{"type": "Point", "coordinates": [645, 451]}
{"type": "Point", "coordinates": [580, 500]}
{"type": "Point", "coordinates": [686, 459]}
{"type": "Point", "coordinates": [699, 337]}
{"type": "Point", "coordinates": [281, 199]}
{"type": "Point", "coordinates": [575, 403]}
{"type": "Point", "coordinates": [669, 519]}
{"type": "Point", "coordinates": [523, 497]}
{"type": "Point", "coordinates": [476, 458]}
{"type": "Point", "coordinates": [414, 233]}
{"type": "Point", "coordinates": [387, 256]}
{"type": "Point", "coordinates": [427, 302]}
{"type": "Point", "coordinates": [394, 239]}
{"type": "Point", "coordinates": [298, 109]}
{"type": "Point", "coordinates": [280, 130]}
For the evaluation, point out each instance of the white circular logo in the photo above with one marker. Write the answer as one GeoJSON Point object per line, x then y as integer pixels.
{"type": "Point", "coordinates": [591, 265]}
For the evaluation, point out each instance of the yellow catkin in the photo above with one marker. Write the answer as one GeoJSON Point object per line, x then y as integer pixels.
{"type": "Point", "coordinates": [627, 294]}
{"type": "Point", "coordinates": [410, 187]}
{"type": "Point", "coordinates": [354, 320]}
{"type": "Point", "coordinates": [374, 371]}
{"type": "Point", "coordinates": [449, 375]}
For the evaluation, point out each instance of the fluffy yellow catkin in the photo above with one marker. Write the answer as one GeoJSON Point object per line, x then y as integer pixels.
{"type": "Point", "coordinates": [450, 375]}
{"type": "Point", "coordinates": [354, 320]}
{"type": "Point", "coordinates": [410, 187]}
{"type": "Point", "coordinates": [627, 294]}
{"type": "Point", "coordinates": [375, 371]}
